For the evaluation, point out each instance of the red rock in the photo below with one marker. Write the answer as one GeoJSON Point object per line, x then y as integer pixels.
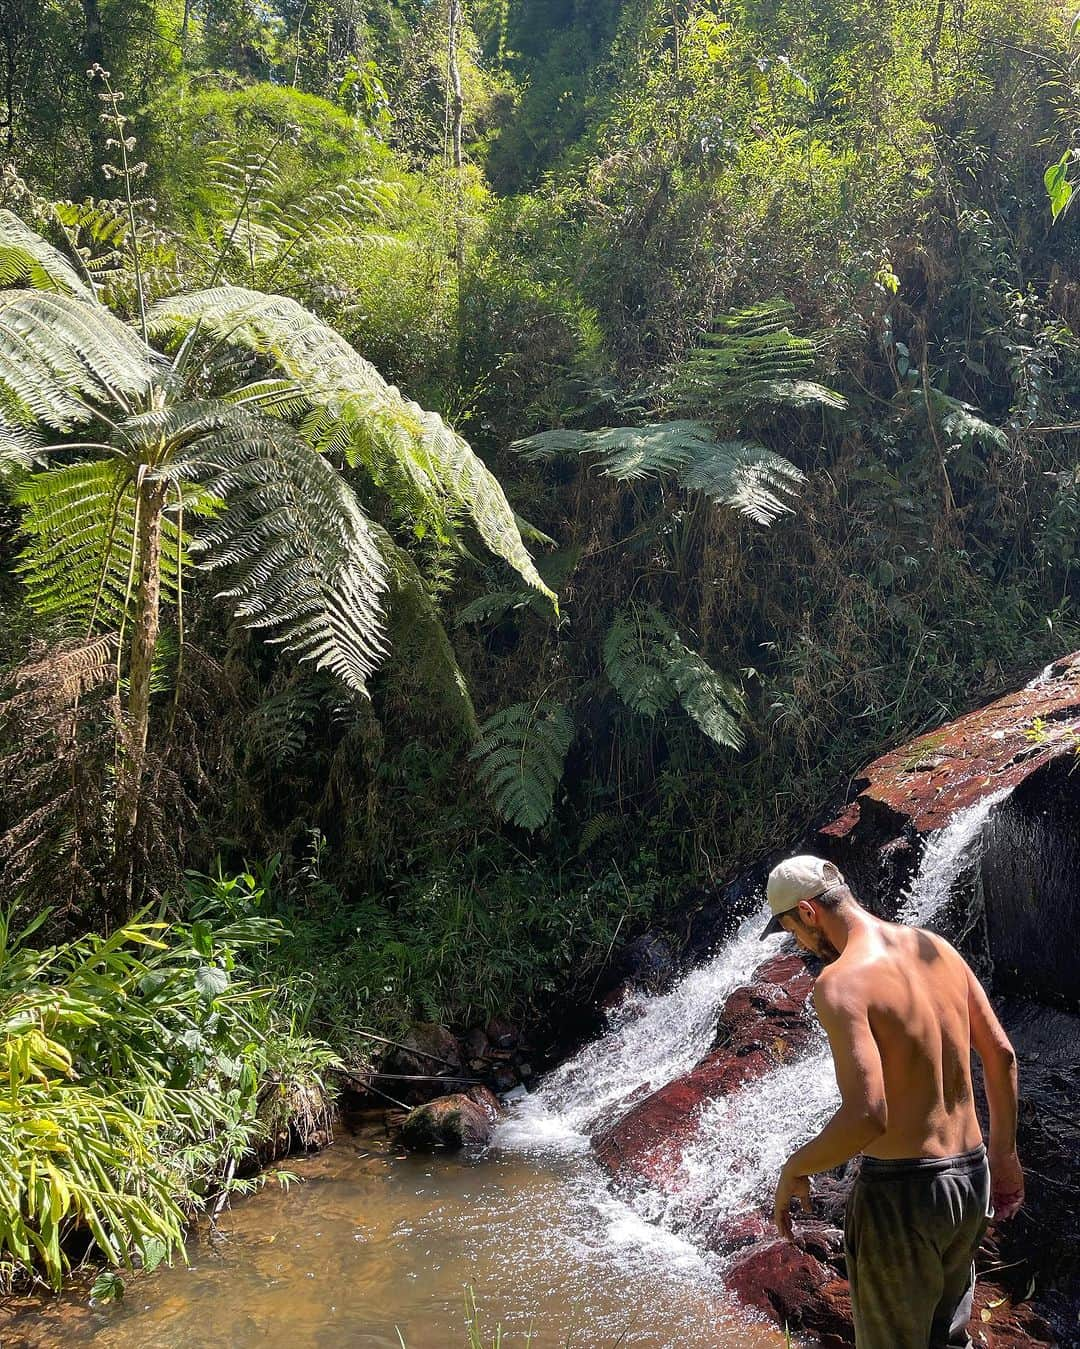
{"type": "Point", "coordinates": [927, 781]}
{"type": "Point", "coordinates": [762, 1024]}
{"type": "Point", "coordinates": [795, 1286]}
{"type": "Point", "coordinates": [486, 1099]}
{"type": "Point", "coordinates": [795, 1289]}
{"type": "Point", "coordinates": [997, 1323]}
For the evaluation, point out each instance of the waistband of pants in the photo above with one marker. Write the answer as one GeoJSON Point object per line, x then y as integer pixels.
{"type": "Point", "coordinates": [882, 1168]}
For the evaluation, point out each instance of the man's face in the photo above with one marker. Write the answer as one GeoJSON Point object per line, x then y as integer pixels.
{"type": "Point", "coordinates": [804, 925]}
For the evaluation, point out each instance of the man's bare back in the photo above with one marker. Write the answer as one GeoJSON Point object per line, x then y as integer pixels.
{"type": "Point", "coordinates": [916, 991]}
{"type": "Point", "coordinates": [903, 1013]}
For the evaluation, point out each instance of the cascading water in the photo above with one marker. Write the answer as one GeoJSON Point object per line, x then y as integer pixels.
{"type": "Point", "coordinates": [730, 1165]}
{"type": "Point", "coordinates": [948, 852]}
{"type": "Point", "coordinates": [649, 1042]}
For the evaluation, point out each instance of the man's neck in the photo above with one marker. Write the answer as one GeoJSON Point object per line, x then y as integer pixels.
{"type": "Point", "coordinates": [848, 922]}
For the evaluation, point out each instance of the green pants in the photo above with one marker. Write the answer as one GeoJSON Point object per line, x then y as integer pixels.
{"type": "Point", "coordinates": [911, 1231]}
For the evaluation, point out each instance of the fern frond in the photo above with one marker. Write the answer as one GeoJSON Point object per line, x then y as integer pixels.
{"type": "Point", "coordinates": [962, 424]}
{"type": "Point", "coordinates": [80, 525]}
{"type": "Point", "coordinates": [636, 659]}
{"type": "Point", "coordinates": [395, 437]}
{"type": "Point", "coordinates": [716, 704]}
{"type": "Point", "coordinates": [495, 605]}
{"type": "Point", "coordinates": [60, 356]}
{"type": "Point", "coordinates": [519, 759]}
{"type": "Point", "coordinates": [752, 356]}
{"type": "Point", "coordinates": [26, 259]}
{"type": "Point", "coordinates": [20, 448]}
{"type": "Point", "coordinates": [793, 395]}
{"type": "Point", "coordinates": [746, 477]}
{"type": "Point", "coordinates": [277, 729]}
{"type": "Point", "coordinates": [650, 667]}
{"type": "Point", "coordinates": [739, 474]}
{"type": "Point", "coordinates": [300, 555]}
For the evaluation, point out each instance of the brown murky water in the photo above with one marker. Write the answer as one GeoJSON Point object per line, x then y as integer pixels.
{"type": "Point", "coordinates": [371, 1244]}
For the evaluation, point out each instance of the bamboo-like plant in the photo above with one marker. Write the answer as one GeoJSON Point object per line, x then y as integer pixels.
{"type": "Point", "coordinates": [131, 460]}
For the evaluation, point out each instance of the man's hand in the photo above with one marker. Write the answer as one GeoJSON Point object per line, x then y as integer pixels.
{"type": "Point", "coordinates": [1006, 1184]}
{"type": "Point", "coordinates": [789, 1187]}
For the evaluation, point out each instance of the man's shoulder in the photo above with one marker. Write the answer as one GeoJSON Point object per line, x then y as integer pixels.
{"type": "Point", "coordinates": [842, 984]}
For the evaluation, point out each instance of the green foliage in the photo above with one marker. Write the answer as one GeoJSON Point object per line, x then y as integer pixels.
{"type": "Point", "coordinates": [650, 667]}
{"type": "Point", "coordinates": [133, 1064]}
{"type": "Point", "coordinates": [519, 759]}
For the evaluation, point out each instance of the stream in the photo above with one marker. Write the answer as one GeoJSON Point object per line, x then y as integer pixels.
{"type": "Point", "coordinates": [374, 1248]}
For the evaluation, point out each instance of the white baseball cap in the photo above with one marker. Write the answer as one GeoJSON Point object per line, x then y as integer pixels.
{"type": "Point", "coordinates": [802, 877]}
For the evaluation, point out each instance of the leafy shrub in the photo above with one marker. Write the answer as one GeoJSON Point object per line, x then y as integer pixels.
{"type": "Point", "coordinates": [134, 1067]}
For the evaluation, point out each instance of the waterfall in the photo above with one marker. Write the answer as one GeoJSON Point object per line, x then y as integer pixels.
{"type": "Point", "coordinates": [730, 1166]}
{"type": "Point", "coordinates": [649, 1042]}
{"type": "Point", "coordinates": [947, 853]}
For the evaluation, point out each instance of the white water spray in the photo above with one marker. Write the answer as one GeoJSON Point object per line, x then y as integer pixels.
{"type": "Point", "coordinates": [948, 851]}
{"type": "Point", "coordinates": [650, 1041]}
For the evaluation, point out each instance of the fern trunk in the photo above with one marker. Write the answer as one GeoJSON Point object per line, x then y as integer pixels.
{"type": "Point", "coordinates": [136, 719]}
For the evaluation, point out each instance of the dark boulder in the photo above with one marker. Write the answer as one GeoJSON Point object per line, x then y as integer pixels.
{"type": "Point", "coordinates": [411, 1070]}
{"type": "Point", "coordinates": [450, 1123]}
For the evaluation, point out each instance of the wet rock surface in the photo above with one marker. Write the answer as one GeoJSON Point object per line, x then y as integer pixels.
{"type": "Point", "coordinates": [452, 1123]}
{"type": "Point", "coordinates": [763, 1023]}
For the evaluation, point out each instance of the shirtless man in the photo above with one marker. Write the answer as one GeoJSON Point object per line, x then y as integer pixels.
{"type": "Point", "coordinates": [902, 1011]}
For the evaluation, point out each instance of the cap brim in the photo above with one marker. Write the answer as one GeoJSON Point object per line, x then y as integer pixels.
{"type": "Point", "coordinates": [773, 926]}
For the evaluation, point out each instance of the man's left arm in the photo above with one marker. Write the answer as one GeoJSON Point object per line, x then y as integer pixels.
{"type": "Point", "coordinates": [863, 1114]}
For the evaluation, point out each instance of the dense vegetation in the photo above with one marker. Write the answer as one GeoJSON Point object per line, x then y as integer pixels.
{"type": "Point", "coordinates": [737, 356]}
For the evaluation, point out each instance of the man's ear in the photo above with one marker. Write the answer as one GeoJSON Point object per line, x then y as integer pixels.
{"type": "Point", "coordinates": [808, 913]}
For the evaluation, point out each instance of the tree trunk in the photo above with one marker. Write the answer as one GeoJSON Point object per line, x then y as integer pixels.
{"type": "Point", "coordinates": [136, 716]}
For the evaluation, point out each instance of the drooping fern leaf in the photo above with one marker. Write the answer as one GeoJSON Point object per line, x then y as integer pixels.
{"type": "Point", "coordinates": [714, 703]}
{"type": "Point", "coordinates": [28, 259]}
{"type": "Point", "coordinates": [746, 477]}
{"type": "Point", "coordinates": [299, 555]}
{"type": "Point", "coordinates": [739, 474]}
{"type": "Point", "coordinates": [650, 667]}
{"type": "Point", "coordinates": [962, 424]}
{"type": "Point", "coordinates": [62, 358]}
{"type": "Point", "coordinates": [636, 659]}
{"type": "Point", "coordinates": [519, 759]}
{"type": "Point", "coordinates": [358, 411]}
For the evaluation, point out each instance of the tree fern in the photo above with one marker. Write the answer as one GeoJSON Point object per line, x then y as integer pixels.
{"type": "Point", "coordinates": [519, 759]}
{"type": "Point", "coordinates": [356, 410]}
{"type": "Point", "coordinates": [107, 536]}
{"type": "Point", "coordinates": [651, 667]}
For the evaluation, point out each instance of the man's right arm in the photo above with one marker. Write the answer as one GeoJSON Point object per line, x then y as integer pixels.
{"type": "Point", "coordinates": [999, 1072]}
